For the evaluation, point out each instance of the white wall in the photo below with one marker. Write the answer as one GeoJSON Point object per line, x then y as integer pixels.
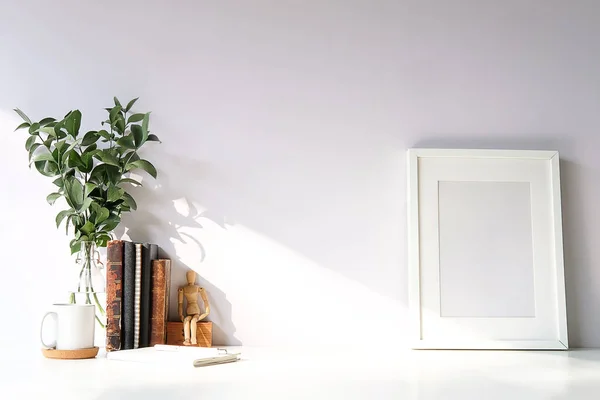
{"type": "Point", "coordinates": [284, 128]}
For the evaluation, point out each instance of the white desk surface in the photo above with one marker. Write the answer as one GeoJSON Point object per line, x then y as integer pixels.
{"type": "Point", "coordinates": [270, 373]}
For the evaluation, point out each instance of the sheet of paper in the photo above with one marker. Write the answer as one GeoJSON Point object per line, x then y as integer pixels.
{"type": "Point", "coordinates": [165, 354]}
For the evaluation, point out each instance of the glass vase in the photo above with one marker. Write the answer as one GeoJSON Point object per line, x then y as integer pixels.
{"type": "Point", "coordinates": [90, 285]}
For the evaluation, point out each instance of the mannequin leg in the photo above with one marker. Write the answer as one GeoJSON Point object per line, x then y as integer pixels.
{"type": "Point", "coordinates": [193, 326]}
{"type": "Point", "coordinates": [186, 331]}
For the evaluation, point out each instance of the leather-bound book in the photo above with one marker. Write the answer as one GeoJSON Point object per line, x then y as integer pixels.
{"type": "Point", "coordinates": [127, 320]}
{"type": "Point", "coordinates": [149, 251]}
{"type": "Point", "coordinates": [114, 294]}
{"type": "Point", "coordinates": [161, 284]}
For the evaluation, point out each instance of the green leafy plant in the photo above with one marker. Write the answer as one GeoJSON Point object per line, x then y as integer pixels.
{"type": "Point", "coordinates": [91, 170]}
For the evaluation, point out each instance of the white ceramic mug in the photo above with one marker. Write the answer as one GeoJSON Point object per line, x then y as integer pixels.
{"type": "Point", "coordinates": [74, 326]}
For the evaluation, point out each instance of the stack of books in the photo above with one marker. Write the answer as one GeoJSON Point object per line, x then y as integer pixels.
{"type": "Point", "coordinates": [137, 295]}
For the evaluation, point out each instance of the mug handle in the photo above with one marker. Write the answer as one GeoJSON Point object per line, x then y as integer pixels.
{"type": "Point", "coordinates": [55, 318]}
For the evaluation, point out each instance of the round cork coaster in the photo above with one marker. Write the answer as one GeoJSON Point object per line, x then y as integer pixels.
{"type": "Point", "coordinates": [70, 354]}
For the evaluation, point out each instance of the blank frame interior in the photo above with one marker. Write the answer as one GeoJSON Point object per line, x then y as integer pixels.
{"type": "Point", "coordinates": [485, 249]}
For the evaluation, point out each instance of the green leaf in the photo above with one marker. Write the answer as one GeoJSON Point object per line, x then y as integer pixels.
{"type": "Point", "coordinates": [22, 115]}
{"type": "Point", "coordinates": [89, 187]}
{"type": "Point", "coordinates": [102, 240]}
{"type": "Point", "coordinates": [72, 146]}
{"type": "Point", "coordinates": [58, 182]}
{"type": "Point", "coordinates": [88, 228]}
{"type": "Point", "coordinates": [69, 219]}
{"type": "Point", "coordinates": [130, 104]}
{"type": "Point", "coordinates": [114, 193]}
{"type": "Point", "coordinates": [109, 158]}
{"type": "Point", "coordinates": [69, 173]}
{"type": "Point", "coordinates": [138, 135]}
{"type": "Point", "coordinates": [41, 167]}
{"type": "Point", "coordinates": [89, 138]}
{"type": "Point", "coordinates": [74, 161]}
{"type": "Point", "coordinates": [87, 161]}
{"type": "Point", "coordinates": [86, 203]}
{"type": "Point", "coordinates": [153, 138]}
{"type": "Point", "coordinates": [47, 129]}
{"type": "Point", "coordinates": [113, 113]}
{"type": "Point", "coordinates": [111, 223]}
{"type": "Point", "coordinates": [98, 173]}
{"type": "Point", "coordinates": [129, 201]}
{"type": "Point", "coordinates": [103, 133]}
{"type": "Point", "coordinates": [33, 149]}
{"type": "Point", "coordinates": [30, 142]}
{"type": "Point", "coordinates": [46, 121]}
{"type": "Point", "coordinates": [52, 168]}
{"type": "Point", "coordinates": [59, 145]}
{"type": "Point", "coordinates": [113, 174]}
{"type": "Point", "coordinates": [120, 124]}
{"type": "Point", "coordinates": [52, 197]}
{"type": "Point", "coordinates": [75, 248]}
{"type": "Point", "coordinates": [90, 149]}
{"type": "Point", "coordinates": [95, 208]}
{"type": "Point", "coordinates": [74, 193]}
{"type": "Point", "coordinates": [62, 215]}
{"type": "Point", "coordinates": [105, 173]}
{"type": "Point", "coordinates": [127, 142]}
{"type": "Point", "coordinates": [135, 118]}
{"type": "Point", "coordinates": [117, 103]}
{"type": "Point", "coordinates": [56, 154]}
{"type": "Point", "coordinates": [134, 157]}
{"type": "Point", "coordinates": [73, 123]}
{"type": "Point", "coordinates": [58, 128]}
{"type": "Point", "coordinates": [102, 215]}
{"type": "Point", "coordinates": [145, 123]}
{"type": "Point", "coordinates": [23, 125]}
{"type": "Point", "coordinates": [43, 157]}
{"type": "Point", "coordinates": [34, 128]}
{"type": "Point", "coordinates": [143, 164]}
{"type": "Point", "coordinates": [129, 180]}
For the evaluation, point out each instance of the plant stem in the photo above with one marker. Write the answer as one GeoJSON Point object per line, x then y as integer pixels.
{"type": "Point", "coordinates": [80, 275]}
{"type": "Point", "coordinates": [86, 274]}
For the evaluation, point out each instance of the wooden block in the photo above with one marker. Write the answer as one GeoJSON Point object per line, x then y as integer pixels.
{"type": "Point", "coordinates": [203, 333]}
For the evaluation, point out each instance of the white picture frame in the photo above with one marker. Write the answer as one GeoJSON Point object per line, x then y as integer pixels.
{"type": "Point", "coordinates": [485, 249]}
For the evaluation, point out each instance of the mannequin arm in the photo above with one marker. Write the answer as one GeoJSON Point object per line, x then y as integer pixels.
{"type": "Point", "coordinates": [180, 304]}
{"type": "Point", "coordinates": [206, 305]}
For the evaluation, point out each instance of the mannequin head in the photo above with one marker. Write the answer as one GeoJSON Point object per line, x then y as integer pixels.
{"type": "Point", "coordinates": [191, 277]}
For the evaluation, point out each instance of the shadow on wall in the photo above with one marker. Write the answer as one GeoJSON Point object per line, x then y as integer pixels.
{"type": "Point", "coordinates": [579, 199]}
{"type": "Point", "coordinates": [577, 196]}
{"type": "Point", "coordinates": [165, 228]}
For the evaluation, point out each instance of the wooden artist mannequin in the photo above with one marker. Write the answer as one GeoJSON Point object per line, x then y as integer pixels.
{"type": "Point", "coordinates": [190, 291]}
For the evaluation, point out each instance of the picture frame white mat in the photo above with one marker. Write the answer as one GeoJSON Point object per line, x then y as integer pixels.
{"type": "Point", "coordinates": [485, 249]}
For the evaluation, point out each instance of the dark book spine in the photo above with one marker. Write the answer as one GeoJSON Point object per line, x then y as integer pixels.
{"type": "Point", "coordinates": [153, 252]}
{"type": "Point", "coordinates": [114, 294]}
{"type": "Point", "coordinates": [153, 256]}
{"type": "Point", "coordinates": [145, 295]}
{"type": "Point", "coordinates": [127, 321]}
{"type": "Point", "coordinates": [137, 306]}
{"type": "Point", "coordinates": [161, 283]}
